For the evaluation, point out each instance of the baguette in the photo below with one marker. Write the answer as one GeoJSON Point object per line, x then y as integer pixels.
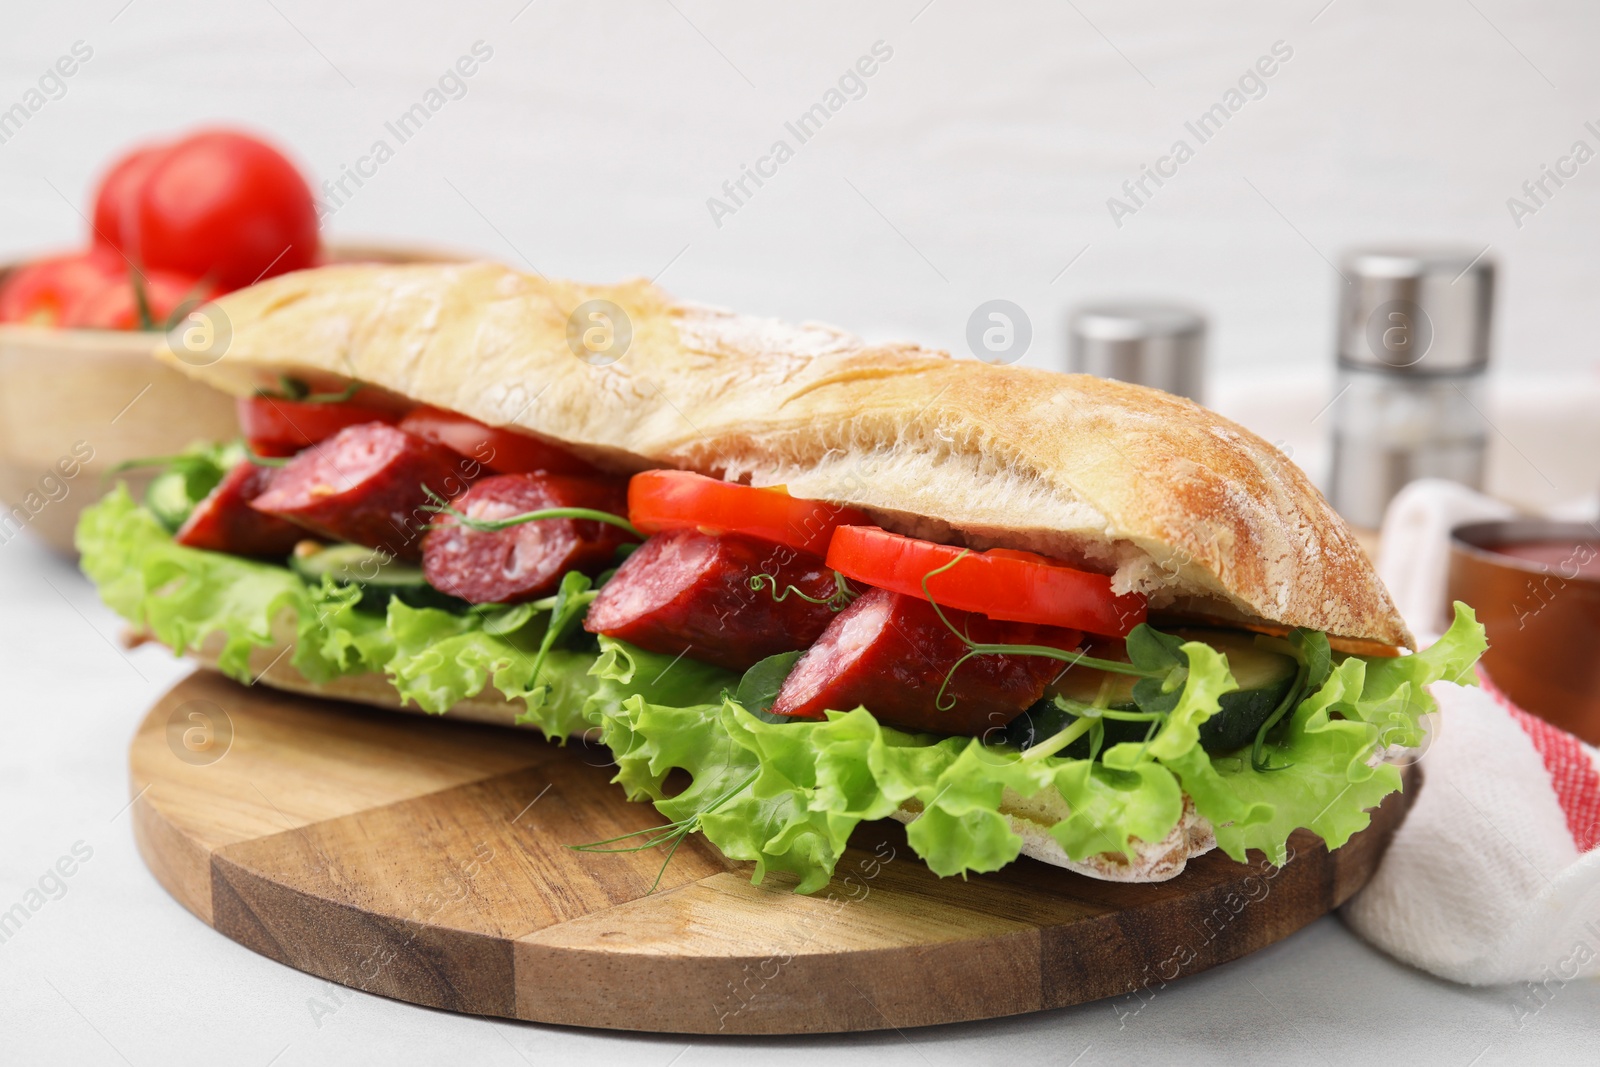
{"type": "Point", "coordinates": [1172, 500]}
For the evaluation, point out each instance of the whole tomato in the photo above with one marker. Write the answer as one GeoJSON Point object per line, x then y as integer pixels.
{"type": "Point", "coordinates": [117, 200]}
{"type": "Point", "coordinates": [94, 290]}
{"type": "Point", "coordinates": [116, 307]}
{"type": "Point", "coordinates": [217, 204]}
{"type": "Point", "coordinates": [47, 292]}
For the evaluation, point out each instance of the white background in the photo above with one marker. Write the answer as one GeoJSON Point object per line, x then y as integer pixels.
{"type": "Point", "coordinates": [977, 165]}
{"type": "Point", "coordinates": [981, 156]}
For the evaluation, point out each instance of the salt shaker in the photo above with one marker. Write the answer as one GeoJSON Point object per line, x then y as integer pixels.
{"type": "Point", "coordinates": [1412, 354]}
{"type": "Point", "coordinates": [1160, 345]}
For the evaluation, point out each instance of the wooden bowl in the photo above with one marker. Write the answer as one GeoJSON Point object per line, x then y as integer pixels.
{"type": "Point", "coordinates": [75, 403]}
{"type": "Point", "coordinates": [1543, 621]}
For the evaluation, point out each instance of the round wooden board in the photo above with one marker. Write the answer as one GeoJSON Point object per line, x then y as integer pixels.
{"type": "Point", "coordinates": [428, 861]}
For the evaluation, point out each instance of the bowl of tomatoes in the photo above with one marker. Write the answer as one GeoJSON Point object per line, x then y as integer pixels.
{"type": "Point", "coordinates": [173, 226]}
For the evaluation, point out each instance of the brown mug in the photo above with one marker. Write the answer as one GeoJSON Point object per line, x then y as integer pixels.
{"type": "Point", "coordinates": [1542, 618]}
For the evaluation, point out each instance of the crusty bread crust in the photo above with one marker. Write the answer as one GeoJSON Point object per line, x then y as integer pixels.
{"type": "Point", "coordinates": [1169, 498]}
{"type": "Point", "coordinates": [1152, 861]}
{"type": "Point", "coordinates": [270, 664]}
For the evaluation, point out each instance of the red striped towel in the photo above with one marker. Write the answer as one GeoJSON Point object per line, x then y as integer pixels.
{"type": "Point", "coordinates": [1495, 874]}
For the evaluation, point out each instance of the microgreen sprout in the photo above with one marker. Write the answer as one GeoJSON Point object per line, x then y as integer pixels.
{"type": "Point", "coordinates": [439, 505]}
{"type": "Point", "coordinates": [1154, 658]}
{"type": "Point", "coordinates": [672, 834]}
{"type": "Point", "coordinates": [265, 461]}
{"type": "Point", "coordinates": [294, 389]}
{"type": "Point", "coordinates": [1311, 651]}
{"type": "Point", "coordinates": [841, 598]}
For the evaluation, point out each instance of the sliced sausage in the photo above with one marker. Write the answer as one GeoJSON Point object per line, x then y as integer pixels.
{"type": "Point", "coordinates": [688, 592]}
{"type": "Point", "coordinates": [365, 485]}
{"type": "Point", "coordinates": [526, 561]}
{"type": "Point", "coordinates": [890, 654]}
{"type": "Point", "coordinates": [225, 522]}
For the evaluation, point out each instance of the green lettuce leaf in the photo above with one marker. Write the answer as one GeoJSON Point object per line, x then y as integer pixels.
{"type": "Point", "coordinates": [786, 796]}
{"type": "Point", "coordinates": [185, 597]}
{"type": "Point", "coordinates": [1327, 780]}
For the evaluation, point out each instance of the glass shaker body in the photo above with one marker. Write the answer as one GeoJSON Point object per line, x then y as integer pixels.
{"type": "Point", "coordinates": [1391, 429]}
{"type": "Point", "coordinates": [1412, 352]}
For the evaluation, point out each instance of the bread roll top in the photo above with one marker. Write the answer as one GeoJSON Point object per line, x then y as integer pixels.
{"type": "Point", "coordinates": [1169, 498]}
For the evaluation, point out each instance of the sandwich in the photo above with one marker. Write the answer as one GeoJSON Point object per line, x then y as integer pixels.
{"type": "Point", "coordinates": [791, 580]}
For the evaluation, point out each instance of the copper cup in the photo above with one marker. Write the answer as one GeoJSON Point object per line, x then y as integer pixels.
{"type": "Point", "coordinates": [1543, 619]}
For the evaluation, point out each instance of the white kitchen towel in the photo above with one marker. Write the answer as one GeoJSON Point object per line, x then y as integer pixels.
{"type": "Point", "coordinates": [1494, 876]}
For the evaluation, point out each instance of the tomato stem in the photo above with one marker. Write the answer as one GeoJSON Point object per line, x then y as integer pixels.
{"type": "Point", "coordinates": [141, 298]}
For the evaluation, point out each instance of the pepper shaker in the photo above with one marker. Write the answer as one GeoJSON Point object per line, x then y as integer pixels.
{"type": "Point", "coordinates": [1413, 349]}
{"type": "Point", "coordinates": [1159, 345]}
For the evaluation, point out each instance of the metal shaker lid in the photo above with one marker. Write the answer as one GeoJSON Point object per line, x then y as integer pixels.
{"type": "Point", "coordinates": [1159, 345]}
{"type": "Point", "coordinates": [1416, 311]}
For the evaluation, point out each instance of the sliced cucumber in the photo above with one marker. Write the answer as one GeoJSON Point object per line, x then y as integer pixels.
{"type": "Point", "coordinates": [355, 565]}
{"type": "Point", "coordinates": [380, 576]}
{"type": "Point", "coordinates": [1044, 720]}
{"type": "Point", "coordinates": [188, 479]}
{"type": "Point", "coordinates": [1264, 679]}
{"type": "Point", "coordinates": [168, 499]}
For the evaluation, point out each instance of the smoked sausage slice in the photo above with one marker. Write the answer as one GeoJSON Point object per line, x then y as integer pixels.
{"type": "Point", "coordinates": [225, 522]}
{"type": "Point", "coordinates": [890, 653]}
{"type": "Point", "coordinates": [688, 592]}
{"type": "Point", "coordinates": [526, 561]}
{"type": "Point", "coordinates": [365, 485]}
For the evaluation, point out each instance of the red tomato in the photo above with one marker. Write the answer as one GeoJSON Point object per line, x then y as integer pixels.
{"type": "Point", "coordinates": [502, 451]}
{"type": "Point", "coordinates": [676, 500]}
{"type": "Point", "coordinates": [48, 291]}
{"type": "Point", "coordinates": [116, 203]}
{"type": "Point", "coordinates": [116, 307]}
{"type": "Point", "coordinates": [92, 290]}
{"type": "Point", "coordinates": [277, 427]}
{"type": "Point", "coordinates": [227, 206]}
{"type": "Point", "coordinates": [1001, 583]}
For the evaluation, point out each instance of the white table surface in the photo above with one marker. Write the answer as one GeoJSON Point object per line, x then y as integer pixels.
{"type": "Point", "coordinates": [117, 972]}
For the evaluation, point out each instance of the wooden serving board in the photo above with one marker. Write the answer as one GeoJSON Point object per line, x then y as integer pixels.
{"type": "Point", "coordinates": [428, 861]}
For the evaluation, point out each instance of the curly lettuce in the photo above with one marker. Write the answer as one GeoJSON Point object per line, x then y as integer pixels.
{"type": "Point", "coordinates": [786, 796]}
{"type": "Point", "coordinates": [186, 597]}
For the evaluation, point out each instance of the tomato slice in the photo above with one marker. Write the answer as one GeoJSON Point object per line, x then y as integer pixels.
{"type": "Point", "coordinates": [676, 500]}
{"type": "Point", "coordinates": [502, 451]}
{"type": "Point", "coordinates": [276, 427]}
{"type": "Point", "coordinates": [1001, 583]}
